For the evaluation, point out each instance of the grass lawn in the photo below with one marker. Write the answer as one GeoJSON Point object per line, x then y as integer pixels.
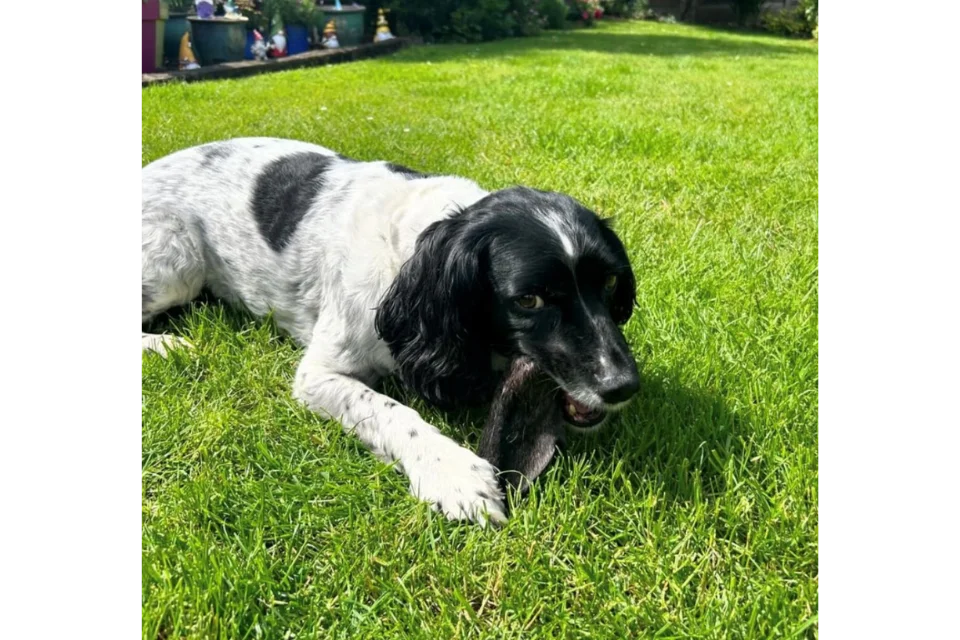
{"type": "Point", "coordinates": [694, 516]}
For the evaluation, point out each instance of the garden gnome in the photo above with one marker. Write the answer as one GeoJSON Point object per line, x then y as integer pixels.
{"type": "Point", "coordinates": [330, 36]}
{"type": "Point", "coordinates": [259, 47]}
{"type": "Point", "coordinates": [187, 60]}
{"type": "Point", "coordinates": [204, 9]}
{"type": "Point", "coordinates": [278, 39]}
{"type": "Point", "coordinates": [383, 29]}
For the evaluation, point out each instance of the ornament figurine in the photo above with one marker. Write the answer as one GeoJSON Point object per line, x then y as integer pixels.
{"type": "Point", "coordinates": [383, 29]}
{"type": "Point", "coordinates": [330, 36]}
{"type": "Point", "coordinates": [278, 39]}
{"type": "Point", "coordinates": [187, 60]}
{"type": "Point", "coordinates": [259, 47]}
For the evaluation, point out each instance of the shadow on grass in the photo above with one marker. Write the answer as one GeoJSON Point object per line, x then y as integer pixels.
{"type": "Point", "coordinates": [652, 44]}
{"type": "Point", "coordinates": [688, 442]}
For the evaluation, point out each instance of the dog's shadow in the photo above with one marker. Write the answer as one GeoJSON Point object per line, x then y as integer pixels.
{"type": "Point", "coordinates": [690, 443]}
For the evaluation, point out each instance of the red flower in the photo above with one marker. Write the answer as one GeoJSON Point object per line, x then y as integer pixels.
{"type": "Point", "coordinates": [597, 14]}
{"type": "Point", "coordinates": [586, 16]}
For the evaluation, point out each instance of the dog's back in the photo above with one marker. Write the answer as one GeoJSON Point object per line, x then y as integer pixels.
{"type": "Point", "coordinates": [275, 224]}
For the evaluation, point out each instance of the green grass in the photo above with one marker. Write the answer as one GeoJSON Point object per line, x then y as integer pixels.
{"type": "Point", "coordinates": [695, 516]}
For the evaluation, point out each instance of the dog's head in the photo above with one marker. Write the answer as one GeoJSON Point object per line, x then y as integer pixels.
{"type": "Point", "coordinates": [519, 272]}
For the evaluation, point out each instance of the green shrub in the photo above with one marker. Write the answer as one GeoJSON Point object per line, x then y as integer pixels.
{"type": "Point", "coordinates": [528, 17]}
{"type": "Point", "coordinates": [302, 12]}
{"type": "Point", "coordinates": [811, 11]}
{"type": "Point", "coordinates": [785, 23]}
{"type": "Point", "coordinates": [625, 8]}
{"type": "Point", "coordinates": [554, 12]}
{"type": "Point", "coordinates": [468, 20]}
{"type": "Point", "coordinates": [798, 22]}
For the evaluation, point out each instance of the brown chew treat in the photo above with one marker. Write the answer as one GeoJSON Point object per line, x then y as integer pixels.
{"type": "Point", "coordinates": [524, 427]}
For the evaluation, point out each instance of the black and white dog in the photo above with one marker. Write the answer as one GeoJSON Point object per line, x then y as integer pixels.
{"type": "Point", "coordinates": [378, 269]}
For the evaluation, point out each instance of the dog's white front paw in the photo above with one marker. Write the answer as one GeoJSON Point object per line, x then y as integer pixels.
{"type": "Point", "coordinates": [161, 343]}
{"type": "Point", "coordinates": [459, 484]}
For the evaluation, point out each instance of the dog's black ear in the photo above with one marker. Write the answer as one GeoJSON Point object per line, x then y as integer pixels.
{"type": "Point", "coordinates": [435, 316]}
{"type": "Point", "coordinates": [625, 295]}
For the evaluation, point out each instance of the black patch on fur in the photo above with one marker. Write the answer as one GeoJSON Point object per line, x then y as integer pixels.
{"type": "Point", "coordinates": [215, 151]}
{"type": "Point", "coordinates": [406, 172]}
{"type": "Point", "coordinates": [284, 192]}
{"type": "Point", "coordinates": [390, 405]}
{"type": "Point", "coordinates": [413, 433]}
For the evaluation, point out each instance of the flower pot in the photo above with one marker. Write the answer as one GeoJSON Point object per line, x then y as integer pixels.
{"type": "Point", "coordinates": [173, 31]}
{"type": "Point", "coordinates": [298, 40]}
{"type": "Point", "coordinates": [218, 40]}
{"type": "Point", "coordinates": [348, 21]}
{"type": "Point", "coordinates": [153, 17]}
{"type": "Point", "coordinates": [247, 52]}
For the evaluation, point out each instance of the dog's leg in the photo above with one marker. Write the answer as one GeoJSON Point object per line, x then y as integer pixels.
{"type": "Point", "coordinates": [453, 479]}
{"type": "Point", "coordinates": [172, 272]}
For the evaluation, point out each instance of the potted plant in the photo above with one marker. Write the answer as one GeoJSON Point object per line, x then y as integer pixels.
{"type": "Point", "coordinates": [252, 10]}
{"type": "Point", "coordinates": [348, 21]}
{"type": "Point", "coordinates": [298, 17]}
{"type": "Point", "coordinates": [154, 16]}
{"type": "Point", "coordinates": [175, 27]}
{"type": "Point", "coordinates": [218, 39]}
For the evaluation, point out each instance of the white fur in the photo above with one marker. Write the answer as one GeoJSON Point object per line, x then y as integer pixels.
{"type": "Point", "coordinates": [559, 226]}
{"type": "Point", "coordinates": [323, 288]}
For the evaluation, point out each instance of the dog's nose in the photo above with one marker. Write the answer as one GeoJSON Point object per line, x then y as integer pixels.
{"type": "Point", "coordinates": [619, 389]}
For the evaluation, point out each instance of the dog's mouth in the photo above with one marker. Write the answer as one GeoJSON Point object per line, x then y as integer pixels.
{"type": "Point", "coordinates": [578, 414]}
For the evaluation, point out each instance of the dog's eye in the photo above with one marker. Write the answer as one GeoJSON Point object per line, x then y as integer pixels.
{"type": "Point", "coordinates": [530, 302]}
{"type": "Point", "coordinates": [610, 283]}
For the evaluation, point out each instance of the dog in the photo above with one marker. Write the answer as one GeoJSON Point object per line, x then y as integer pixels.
{"type": "Point", "coordinates": [377, 270]}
